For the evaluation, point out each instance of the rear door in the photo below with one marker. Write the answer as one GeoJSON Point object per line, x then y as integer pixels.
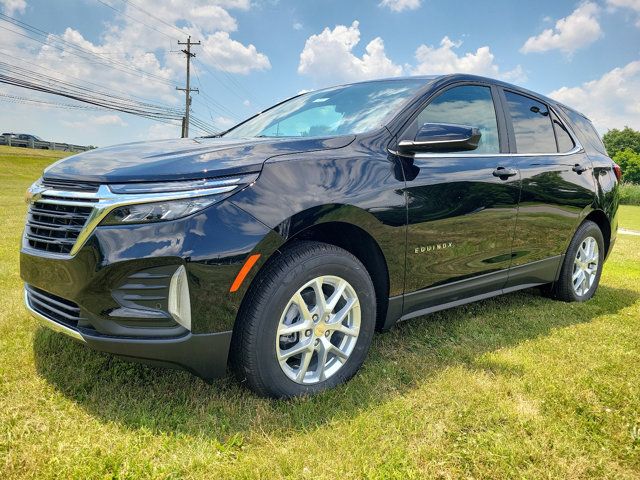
{"type": "Point", "coordinates": [557, 187]}
{"type": "Point", "coordinates": [461, 212]}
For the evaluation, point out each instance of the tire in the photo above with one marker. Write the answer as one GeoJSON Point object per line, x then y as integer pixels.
{"type": "Point", "coordinates": [587, 236]}
{"type": "Point", "coordinates": [276, 301]}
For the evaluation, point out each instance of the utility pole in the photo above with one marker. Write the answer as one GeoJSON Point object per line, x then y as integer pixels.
{"type": "Point", "coordinates": [188, 89]}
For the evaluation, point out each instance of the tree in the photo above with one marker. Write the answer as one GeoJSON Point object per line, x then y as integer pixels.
{"type": "Point", "coordinates": [618, 140]}
{"type": "Point", "coordinates": [629, 162]}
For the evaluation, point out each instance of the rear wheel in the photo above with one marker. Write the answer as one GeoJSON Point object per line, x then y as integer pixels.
{"type": "Point", "coordinates": [582, 267]}
{"type": "Point", "coordinates": [307, 322]}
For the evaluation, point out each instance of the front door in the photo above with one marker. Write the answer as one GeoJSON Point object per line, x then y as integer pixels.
{"type": "Point", "coordinates": [461, 210]}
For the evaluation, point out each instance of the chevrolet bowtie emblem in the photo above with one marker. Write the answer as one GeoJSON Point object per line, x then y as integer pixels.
{"type": "Point", "coordinates": [33, 193]}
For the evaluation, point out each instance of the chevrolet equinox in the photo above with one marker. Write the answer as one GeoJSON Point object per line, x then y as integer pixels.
{"type": "Point", "coordinates": [278, 247]}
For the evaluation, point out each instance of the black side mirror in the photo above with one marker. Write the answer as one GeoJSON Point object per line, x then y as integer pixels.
{"type": "Point", "coordinates": [442, 137]}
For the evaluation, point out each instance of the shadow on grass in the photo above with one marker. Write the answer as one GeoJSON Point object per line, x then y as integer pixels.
{"type": "Point", "coordinates": [165, 401]}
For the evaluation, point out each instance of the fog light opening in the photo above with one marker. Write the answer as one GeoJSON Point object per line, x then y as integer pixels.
{"type": "Point", "coordinates": [179, 302]}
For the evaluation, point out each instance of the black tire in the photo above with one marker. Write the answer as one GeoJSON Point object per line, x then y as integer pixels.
{"type": "Point", "coordinates": [253, 355]}
{"type": "Point", "coordinates": [563, 289]}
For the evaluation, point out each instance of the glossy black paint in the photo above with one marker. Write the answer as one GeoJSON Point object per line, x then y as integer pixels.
{"type": "Point", "coordinates": [212, 245]}
{"type": "Point", "coordinates": [181, 159]}
{"type": "Point", "coordinates": [446, 229]}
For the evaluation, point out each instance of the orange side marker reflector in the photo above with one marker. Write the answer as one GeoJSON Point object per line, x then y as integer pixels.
{"type": "Point", "coordinates": [251, 261]}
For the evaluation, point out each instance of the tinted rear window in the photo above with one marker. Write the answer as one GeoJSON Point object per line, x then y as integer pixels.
{"type": "Point", "coordinates": [585, 131]}
{"type": "Point", "coordinates": [565, 142]}
{"type": "Point", "coordinates": [531, 124]}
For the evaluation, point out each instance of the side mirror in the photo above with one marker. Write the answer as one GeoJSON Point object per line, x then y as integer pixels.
{"type": "Point", "coordinates": [442, 137]}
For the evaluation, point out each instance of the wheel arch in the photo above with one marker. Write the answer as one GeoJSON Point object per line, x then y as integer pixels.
{"type": "Point", "coordinates": [599, 217]}
{"type": "Point", "coordinates": [345, 226]}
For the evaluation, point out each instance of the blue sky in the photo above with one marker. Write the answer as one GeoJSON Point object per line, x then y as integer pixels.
{"type": "Point", "coordinates": [257, 52]}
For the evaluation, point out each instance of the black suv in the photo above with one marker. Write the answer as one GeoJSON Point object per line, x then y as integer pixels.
{"type": "Point", "coordinates": [281, 245]}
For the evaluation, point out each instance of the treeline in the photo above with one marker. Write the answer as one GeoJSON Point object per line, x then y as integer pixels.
{"type": "Point", "coordinates": [623, 146]}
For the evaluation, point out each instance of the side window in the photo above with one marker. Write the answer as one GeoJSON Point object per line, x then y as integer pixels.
{"type": "Point", "coordinates": [470, 105]}
{"type": "Point", "coordinates": [565, 142]}
{"type": "Point", "coordinates": [531, 124]}
{"type": "Point", "coordinates": [585, 131]}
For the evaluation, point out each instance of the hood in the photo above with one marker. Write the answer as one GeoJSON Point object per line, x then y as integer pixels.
{"type": "Point", "coordinates": [182, 159]}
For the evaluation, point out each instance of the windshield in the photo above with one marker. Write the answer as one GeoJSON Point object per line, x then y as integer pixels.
{"type": "Point", "coordinates": [342, 110]}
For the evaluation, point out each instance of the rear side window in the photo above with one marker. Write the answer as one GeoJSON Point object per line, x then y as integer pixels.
{"type": "Point", "coordinates": [585, 131]}
{"type": "Point", "coordinates": [531, 124]}
{"type": "Point", "coordinates": [565, 142]}
{"type": "Point", "coordinates": [470, 105]}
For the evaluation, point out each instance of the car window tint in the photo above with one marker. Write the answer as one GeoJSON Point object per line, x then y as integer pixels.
{"type": "Point", "coordinates": [585, 131]}
{"type": "Point", "coordinates": [531, 124]}
{"type": "Point", "coordinates": [565, 142]}
{"type": "Point", "coordinates": [470, 105]}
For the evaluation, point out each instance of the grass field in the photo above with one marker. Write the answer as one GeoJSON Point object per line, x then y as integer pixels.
{"type": "Point", "coordinates": [518, 386]}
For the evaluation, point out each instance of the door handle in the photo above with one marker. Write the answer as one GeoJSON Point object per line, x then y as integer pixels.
{"type": "Point", "coordinates": [578, 168]}
{"type": "Point", "coordinates": [504, 173]}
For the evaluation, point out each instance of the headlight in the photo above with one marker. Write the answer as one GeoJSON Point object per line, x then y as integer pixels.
{"type": "Point", "coordinates": [159, 211]}
{"type": "Point", "coordinates": [164, 201]}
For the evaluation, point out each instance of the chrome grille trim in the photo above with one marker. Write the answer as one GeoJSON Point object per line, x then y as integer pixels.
{"type": "Point", "coordinates": [48, 322]}
{"type": "Point", "coordinates": [54, 227]}
{"type": "Point", "coordinates": [92, 207]}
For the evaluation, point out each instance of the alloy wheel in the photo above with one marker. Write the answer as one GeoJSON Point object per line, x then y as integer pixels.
{"type": "Point", "coordinates": [318, 330]}
{"type": "Point", "coordinates": [585, 266]}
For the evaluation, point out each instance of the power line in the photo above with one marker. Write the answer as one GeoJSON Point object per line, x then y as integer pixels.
{"type": "Point", "coordinates": [128, 2]}
{"type": "Point", "coordinates": [136, 20]}
{"type": "Point", "coordinates": [87, 55]}
{"type": "Point", "coordinates": [238, 86]}
{"type": "Point", "coordinates": [77, 92]}
{"type": "Point", "coordinates": [211, 103]}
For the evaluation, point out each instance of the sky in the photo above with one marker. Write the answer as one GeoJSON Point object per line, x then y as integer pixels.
{"type": "Point", "coordinates": [254, 53]}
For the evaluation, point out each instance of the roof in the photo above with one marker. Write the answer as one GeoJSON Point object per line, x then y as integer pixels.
{"type": "Point", "coordinates": [466, 77]}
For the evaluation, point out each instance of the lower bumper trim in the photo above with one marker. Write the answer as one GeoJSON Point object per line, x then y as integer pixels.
{"type": "Point", "coordinates": [204, 355]}
{"type": "Point", "coordinates": [52, 324]}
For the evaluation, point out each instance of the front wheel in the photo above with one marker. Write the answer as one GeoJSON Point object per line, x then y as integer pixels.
{"type": "Point", "coordinates": [307, 322]}
{"type": "Point", "coordinates": [582, 267]}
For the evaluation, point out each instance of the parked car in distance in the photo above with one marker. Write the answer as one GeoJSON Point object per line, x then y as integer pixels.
{"type": "Point", "coordinates": [280, 246]}
{"type": "Point", "coordinates": [25, 139]}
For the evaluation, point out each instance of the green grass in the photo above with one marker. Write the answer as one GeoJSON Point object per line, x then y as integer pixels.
{"type": "Point", "coordinates": [629, 193]}
{"type": "Point", "coordinates": [515, 387]}
{"type": "Point", "coordinates": [629, 217]}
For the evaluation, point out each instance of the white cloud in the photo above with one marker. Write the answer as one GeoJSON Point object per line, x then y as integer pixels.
{"type": "Point", "coordinates": [632, 4]}
{"type": "Point", "coordinates": [134, 48]}
{"type": "Point", "coordinates": [626, 4]}
{"type": "Point", "coordinates": [578, 30]}
{"type": "Point", "coordinates": [444, 59]}
{"type": "Point", "coordinates": [224, 123]}
{"type": "Point", "coordinates": [400, 5]}
{"type": "Point", "coordinates": [13, 6]}
{"type": "Point", "coordinates": [220, 50]}
{"type": "Point", "coordinates": [611, 101]}
{"type": "Point", "coordinates": [213, 17]}
{"type": "Point", "coordinates": [89, 121]}
{"type": "Point", "coordinates": [109, 120]}
{"type": "Point", "coordinates": [161, 131]}
{"type": "Point", "coordinates": [328, 56]}
{"type": "Point", "coordinates": [297, 26]}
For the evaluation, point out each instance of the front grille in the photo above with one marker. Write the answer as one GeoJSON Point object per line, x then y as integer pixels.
{"type": "Point", "coordinates": [53, 307]}
{"type": "Point", "coordinates": [54, 227]}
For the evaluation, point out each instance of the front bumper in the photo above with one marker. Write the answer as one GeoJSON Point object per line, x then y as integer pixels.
{"type": "Point", "coordinates": [204, 355]}
{"type": "Point", "coordinates": [117, 287]}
